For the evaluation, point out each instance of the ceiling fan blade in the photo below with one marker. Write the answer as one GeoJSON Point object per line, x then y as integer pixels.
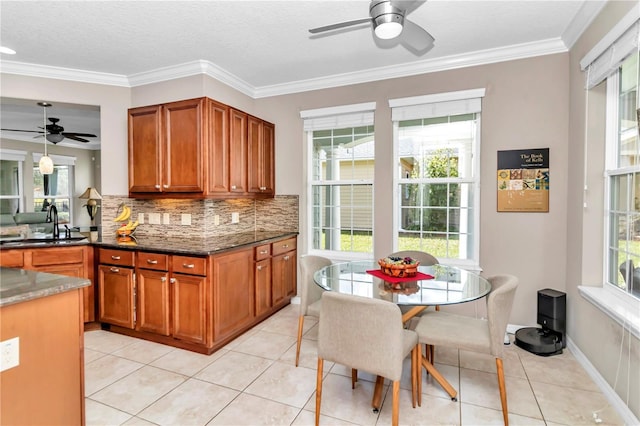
{"type": "Point", "coordinates": [87, 135]}
{"type": "Point", "coordinates": [338, 25]}
{"type": "Point", "coordinates": [415, 38]}
{"type": "Point", "coordinates": [17, 130]}
{"type": "Point", "coordinates": [408, 5]}
{"type": "Point", "coordinates": [74, 136]}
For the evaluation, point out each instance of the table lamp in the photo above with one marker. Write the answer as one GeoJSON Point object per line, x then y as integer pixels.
{"type": "Point", "coordinates": [91, 195]}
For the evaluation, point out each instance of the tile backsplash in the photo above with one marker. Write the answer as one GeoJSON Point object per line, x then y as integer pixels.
{"type": "Point", "coordinates": [208, 218]}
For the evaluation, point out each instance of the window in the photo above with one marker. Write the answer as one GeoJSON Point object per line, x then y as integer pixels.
{"type": "Point", "coordinates": [55, 188]}
{"type": "Point", "coordinates": [436, 204]}
{"type": "Point", "coordinates": [623, 178]}
{"type": "Point", "coordinates": [11, 189]}
{"type": "Point", "coordinates": [340, 175]}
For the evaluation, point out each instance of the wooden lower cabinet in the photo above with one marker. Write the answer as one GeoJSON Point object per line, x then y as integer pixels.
{"type": "Point", "coordinates": [72, 261]}
{"type": "Point", "coordinates": [116, 296]}
{"type": "Point", "coordinates": [195, 303]}
{"type": "Point", "coordinates": [232, 293]}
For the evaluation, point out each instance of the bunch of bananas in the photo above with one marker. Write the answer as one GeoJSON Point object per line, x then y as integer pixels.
{"type": "Point", "coordinates": [124, 214]}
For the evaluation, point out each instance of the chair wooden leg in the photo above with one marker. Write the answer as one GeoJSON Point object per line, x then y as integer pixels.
{"type": "Point", "coordinates": [354, 377]}
{"type": "Point", "coordinates": [432, 354]}
{"type": "Point", "coordinates": [319, 389]}
{"type": "Point", "coordinates": [414, 376]}
{"type": "Point", "coordinates": [395, 413]}
{"type": "Point", "coordinates": [440, 379]}
{"type": "Point", "coordinates": [419, 373]}
{"type": "Point", "coordinates": [503, 391]}
{"type": "Point", "coordinates": [300, 326]}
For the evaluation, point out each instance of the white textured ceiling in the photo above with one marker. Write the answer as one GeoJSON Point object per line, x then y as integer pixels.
{"type": "Point", "coordinates": [264, 47]}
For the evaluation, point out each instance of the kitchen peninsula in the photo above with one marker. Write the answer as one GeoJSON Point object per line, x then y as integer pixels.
{"type": "Point", "coordinates": [42, 321]}
{"type": "Point", "coordinates": [194, 293]}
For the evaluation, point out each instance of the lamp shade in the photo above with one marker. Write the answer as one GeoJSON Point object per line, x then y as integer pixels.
{"type": "Point", "coordinates": [45, 165]}
{"type": "Point", "coordinates": [90, 194]}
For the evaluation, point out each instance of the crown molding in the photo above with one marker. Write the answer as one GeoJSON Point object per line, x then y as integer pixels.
{"type": "Point", "coordinates": [482, 57]}
{"type": "Point", "coordinates": [189, 69]}
{"type": "Point", "coordinates": [582, 20]}
{"type": "Point", "coordinates": [60, 73]}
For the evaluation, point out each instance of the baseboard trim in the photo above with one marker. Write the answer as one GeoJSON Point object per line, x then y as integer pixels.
{"type": "Point", "coordinates": [616, 402]}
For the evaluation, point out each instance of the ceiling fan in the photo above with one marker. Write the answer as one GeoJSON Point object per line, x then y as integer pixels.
{"type": "Point", "coordinates": [390, 26]}
{"type": "Point", "coordinates": [54, 132]}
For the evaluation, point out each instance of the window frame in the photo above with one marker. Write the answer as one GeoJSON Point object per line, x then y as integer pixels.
{"type": "Point", "coordinates": [19, 157]}
{"type": "Point", "coordinates": [448, 101]}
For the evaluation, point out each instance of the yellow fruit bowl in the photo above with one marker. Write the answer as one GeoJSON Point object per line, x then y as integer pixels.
{"type": "Point", "coordinates": [125, 232]}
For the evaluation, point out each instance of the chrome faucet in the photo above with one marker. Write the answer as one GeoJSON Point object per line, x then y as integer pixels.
{"type": "Point", "coordinates": [53, 211]}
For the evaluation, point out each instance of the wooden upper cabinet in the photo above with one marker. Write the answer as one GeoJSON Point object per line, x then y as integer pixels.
{"type": "Point", "coordinates": [260, 170]}
{"type": "Point", "coordinates": [219, 147]}
{"type": "Point", "coordinates": [145, 149]}
{"type": "Point", "coordinates": [199, 148]}
{"type": "Point", "coordinates": [238, 151]}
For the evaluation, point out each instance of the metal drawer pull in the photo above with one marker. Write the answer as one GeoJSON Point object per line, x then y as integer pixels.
{"type": "Point", "coordinates": [286, 257]}
{"type": "Point", "coordinates": [115, 257]}
{"type": "Point", "coordinates": [259, 268]}
{"type": "Point", "coordinates": [263, 188]}
{"type": "Point", "coordinates": [114, 270]}
{"type": "Point", "coordinates": [152, 262]}
{"type": "Point", "coordinates": [163, 279]}
{"type": "Point", "coordinates": [285, 246]}
{"type": "Point", "coordinates": [188, 265]}
{"type": "Point", "coordinates": [264, 252]}
{"type": "Point", "coordinates": [233, 187]}
{"type": "Point", "coordinates": [172, 280]}
{"type": "Point", "coordinates": [157, 186]}
{"type": "Point", "coordinates": [165, 186]}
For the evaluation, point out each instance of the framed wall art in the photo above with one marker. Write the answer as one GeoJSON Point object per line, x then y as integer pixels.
{"type": "Point", "coordinates": [523, 180]}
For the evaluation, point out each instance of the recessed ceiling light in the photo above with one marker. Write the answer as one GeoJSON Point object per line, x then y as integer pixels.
{"type": "Point", "coordinates": [7, 50]}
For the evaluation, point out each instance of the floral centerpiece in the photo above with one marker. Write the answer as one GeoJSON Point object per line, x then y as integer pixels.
{"type": "Point", "coordinates": [400, 267]}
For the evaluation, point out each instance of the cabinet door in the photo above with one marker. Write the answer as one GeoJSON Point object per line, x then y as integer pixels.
{"type": "Point", "coordinates": [283, 282]}
{"type": "Point", "coordinates": [290, 274]}
{"type": "Point", "coordinates": [218, 147]}
{"type": "Point", "coordinates": [189, 307]}
{"type": "Point", "coordinates": [153, 301]}
{"type": "Point", "coordinates": [237, 151]}
{"type": "Point", "coordinates": [184, 136]}
{"type": "Point", "coordinates": [145, 149]}
{"type": "Point", "coordinates": [116, 288]}
{"type": "Point", "coordinates": [232, 292]}
{"type": "Point", "coordinates": [262, 277]}
{"type": "Point", "coordinates": [260, 136]}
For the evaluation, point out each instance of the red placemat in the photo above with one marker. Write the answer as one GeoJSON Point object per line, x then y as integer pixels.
{"type": "Point", "coordinates": [419, 276]}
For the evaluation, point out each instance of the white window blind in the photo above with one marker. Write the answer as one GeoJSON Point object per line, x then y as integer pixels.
{"type": "Point", "coordinates": [606, 56]}
{"type": "Point", "coordinates": [438, 105]}
{"type": "Point", "coordinates": [339, 117]}
{"type": "Point", "coordinates": [12, 155]}
{"type": "Point", "coordinates": [58, 160]}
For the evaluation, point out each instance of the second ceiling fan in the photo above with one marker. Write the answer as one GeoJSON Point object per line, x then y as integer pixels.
{"type": "Point", "coordinates": [390, 26]}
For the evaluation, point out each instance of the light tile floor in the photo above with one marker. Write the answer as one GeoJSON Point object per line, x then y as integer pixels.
{"type": "Point", "coordinates": [253, 381]}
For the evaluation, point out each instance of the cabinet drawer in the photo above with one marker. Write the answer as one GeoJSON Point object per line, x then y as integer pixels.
{"type": "Point", "coordinates": [12, 258]}
{"type": "Point", "coordinates": [284, 246]}
{"type": "Point", "coordinates": [262, 252]}
{"type": "Point", "coordinates": [189, 265]}
{"type": "Point", "coordinates": [57, 256]}
{"type": "Point", "coordinates": [156, 261]}
{"type": "Point", "coordinates": [116, 257]}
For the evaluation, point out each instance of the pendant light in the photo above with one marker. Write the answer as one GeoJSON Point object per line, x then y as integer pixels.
{"type": "Point", "coordinates": [46, 164]}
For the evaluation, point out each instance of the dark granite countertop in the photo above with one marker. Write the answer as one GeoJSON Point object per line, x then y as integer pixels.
{"type": "Point", "coordinates": [75, 239]}
{"type": "Point", "coordinates": [19, 285]}
{"type": "Point", "coordinates": [194, 246]}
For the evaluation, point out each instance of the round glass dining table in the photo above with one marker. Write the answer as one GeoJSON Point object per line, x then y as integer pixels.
{"type": "Point", "coordinates": [449, 285]}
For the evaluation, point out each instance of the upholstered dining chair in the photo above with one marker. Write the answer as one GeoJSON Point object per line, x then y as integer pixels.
{"type": "Point", "coordinates": [477, 335]}
{"type": "Point", "coordinates": [310, 297]}
{"type": "Point", "coordinates": [366, 334]}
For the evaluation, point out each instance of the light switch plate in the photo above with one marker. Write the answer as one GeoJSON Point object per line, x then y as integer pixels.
{"type": "Point", "coordinates": [166, 219]}
{"type": "Point", "coordinates": [185, 219]}
{"type": "Point", "coordinates": [154, 218]}
{"type": "Point", "coordinates": [235, 217]}
{"type": "Point", "coordinates": [140, 218]}
{"type": "Point", "coordinates": [9, 353]}
{"type": "Point", "coordinates": [216, 220]}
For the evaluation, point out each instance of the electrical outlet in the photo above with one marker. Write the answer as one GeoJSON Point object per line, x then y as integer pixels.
{"type": "Point", "coordinates": [166, 219]}
{"type": "Point", "coordinates": [140, 218]}
{"type": "Point", "coordinates": [216, 220]}
{"type": "Point", "coordinates": [154, 218]}
{"type": "Point", "coordinates": [185, 219]}
{"type": "Point", "coordinates": [235, 217]}
{"type": "Point", "coordinates": [9, 353]}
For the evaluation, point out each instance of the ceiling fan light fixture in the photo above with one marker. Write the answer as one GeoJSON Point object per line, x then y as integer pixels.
{"type": "Point", "coordinates": [387, 30]}
{"type": "Point", "coordinates": [55, 137]}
